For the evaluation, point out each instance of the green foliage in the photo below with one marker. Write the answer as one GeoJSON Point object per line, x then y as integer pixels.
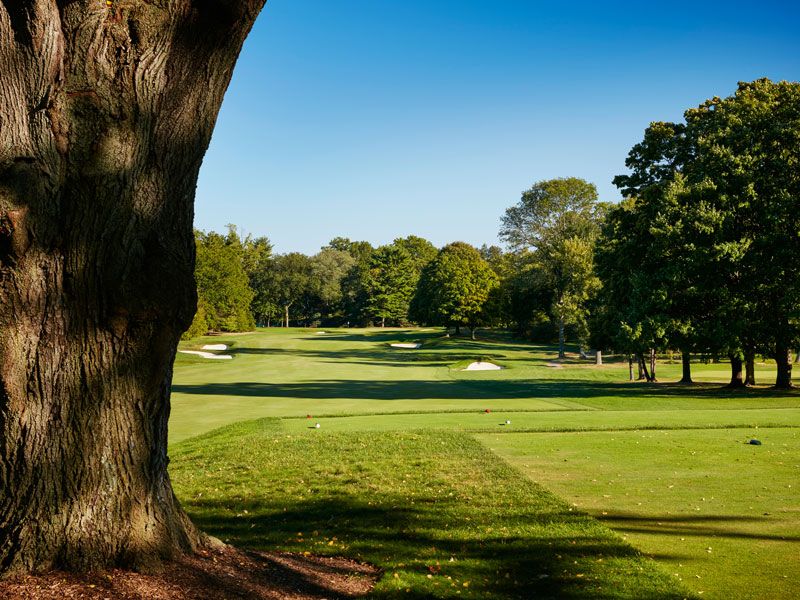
{"type": "Point", "coordinates": [288, 284]}
{"type": "Point", "coordinates": [454, 287]}
{"type": "Point", "coordinates": [706, 255]}
{"type": "Point", "coordinates": [199, 324]}
{"type": "Point", "coordinates": [551, 210]}
{"type": "Point", "coordinates": [390, 280]}
{"type": "Point", "coordinates": [257, 255]}
{"type": "Point", "coordinates": [557, 221]}
{"type": "Point", "coordinates": [420, 251]}
{"type": "Point", "coordinates": [329, 267]}
{"type": "Point", "coordinates": [354, 292]}
{"type": "Point", "coordinates": [223, 287]}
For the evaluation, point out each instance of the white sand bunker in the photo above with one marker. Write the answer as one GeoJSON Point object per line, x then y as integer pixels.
{"type": "Point", "coordinates": [320, 332]}
{"type": "Point", "coordinates": [207, 354]}
{"type": "Point", "coordinates": [410, 346]}
{"type": "Point", "coordinates": [483, 366]}
{"type": "Point", "coordinates": [215, 347]}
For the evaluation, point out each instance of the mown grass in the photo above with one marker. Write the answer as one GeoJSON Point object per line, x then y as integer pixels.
{"type": "Point", "coordinates": [439, 514]}
{"type": "Point", "coordinates": [719, 513]}
{"type": "Point", "coordinates": [401, 428]}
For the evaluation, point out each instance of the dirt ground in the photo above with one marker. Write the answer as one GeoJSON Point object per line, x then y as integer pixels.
{"type": "Point", "coordinates": [225, 573]}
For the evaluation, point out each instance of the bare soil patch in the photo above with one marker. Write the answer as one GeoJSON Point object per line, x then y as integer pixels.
{"type": "Point", "coordinates": [219, 574]}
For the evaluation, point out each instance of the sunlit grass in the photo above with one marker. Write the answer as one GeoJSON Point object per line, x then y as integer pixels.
{"type": "Point", "coordinates": [399, 428]}
{"type": "Point", "coordinates": [721, 514]}
{"type": "Point", "coordinates": [439, 514]}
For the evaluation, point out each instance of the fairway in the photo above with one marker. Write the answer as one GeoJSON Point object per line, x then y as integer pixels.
{"type": "Point", "coordinates": [417, 462]}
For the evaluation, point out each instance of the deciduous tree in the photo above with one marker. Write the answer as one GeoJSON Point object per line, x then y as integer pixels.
{"type": "Point", "coordinates": [454, 288]}
{"type": "Point", "coordinates": [106, 111]}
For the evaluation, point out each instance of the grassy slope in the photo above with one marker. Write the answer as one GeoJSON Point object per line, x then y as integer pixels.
{"type": "Point", "coordinates": [443, 517]}
{"type": "Point", "coordinates": [370, 392]}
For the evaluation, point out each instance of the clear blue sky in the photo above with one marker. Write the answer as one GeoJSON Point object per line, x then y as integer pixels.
{"type": "Point", "coordinates": [376, 119]}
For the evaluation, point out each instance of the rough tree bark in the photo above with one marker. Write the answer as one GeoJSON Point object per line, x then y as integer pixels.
{"type": "Point", "coordinates": [736, 372]}
{"type": "Point", "coordinates": [783, 380]}
{"type": "Point", "coordinates": [105, 115]}
{"type": "Point", "coordinates": [749, 367]}
{"type": "Point", "coordinates": [686, 367]}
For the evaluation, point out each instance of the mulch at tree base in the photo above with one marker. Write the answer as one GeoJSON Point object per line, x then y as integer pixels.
{"type": "Point", "coordinates": [219, 574]}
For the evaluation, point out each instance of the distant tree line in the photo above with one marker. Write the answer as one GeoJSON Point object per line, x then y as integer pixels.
{"type": "Point", "coordinates": [702, 256]}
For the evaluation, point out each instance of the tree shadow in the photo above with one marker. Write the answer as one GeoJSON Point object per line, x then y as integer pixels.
{"type": "Point", "coordinates": [502, 566]}
{"type": "Point", "coordinates": [690, 525]}
{"type": "Point", "coordinates": [419, 389]}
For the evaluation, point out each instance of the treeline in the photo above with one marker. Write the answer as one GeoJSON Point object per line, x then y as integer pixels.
{"type": "Point", "coordinates": [703, 255]}
{"type": "Point", "coordinates": [241, 283]}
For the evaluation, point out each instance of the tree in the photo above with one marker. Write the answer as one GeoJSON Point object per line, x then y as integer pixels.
{"type": "Point", "coordinates": [256, 254]}
{"type": "Point", "coordinates": [568, 265]}
{"type": "Point", "coordinates": [288, 280]}
{"type": "Point", "coordinates": [747, 150]}
{"type": "Point", "coordinates": [420, 250]}
{"type": "Point", "coordinates": [390, 282]}
{"type": "Point", "coordinates": [551, 210]}
{"type": "Point", "coordinates": [736, 160]}
{"type": "Point", "coordinates": [223, 287]}
{"type": "Point", "coordinates": [354, 293]}
{"type": "Point", "coordinates": [559, 220]}
{"type": "Point", "coordinates": [106, 116]}
{"type": "Point", "coordinates": [454, 288]}
{"type": "Point", "coordinates": [328, 268]}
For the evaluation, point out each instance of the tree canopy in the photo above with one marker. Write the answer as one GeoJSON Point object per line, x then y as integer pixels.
{"type": "Point", "coordinates": [454, 287]}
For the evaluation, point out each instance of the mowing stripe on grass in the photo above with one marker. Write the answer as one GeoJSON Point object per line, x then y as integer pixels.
{"type": "Point", "coordinates": [437, 511]}
{"type": "Point", "coordinates": [719, 513]}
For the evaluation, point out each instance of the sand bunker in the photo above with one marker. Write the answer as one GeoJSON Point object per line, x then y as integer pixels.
{"type": "Point", "coordinates": [411, 346]}
{"type": "Point", "coordinates": [320, 332]}
{"type": "Point", "coordinates": [214, 347]}
{"type": "Point", "coordinates": [483, 366]}
{"type": "Point", "coordinates": [207, 354]}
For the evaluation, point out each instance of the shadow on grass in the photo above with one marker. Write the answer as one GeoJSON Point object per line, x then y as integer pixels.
{"type": "Point", "coordinates": [465, 389]}
{"type": "Point", "coordinates": [721, 526]}
{"type": "Point", "coordinates": [412, 542]}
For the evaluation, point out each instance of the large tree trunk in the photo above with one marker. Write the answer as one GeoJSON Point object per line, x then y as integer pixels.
{"type": "Point", "coordinates": [783, 380]}
{"type": "Point", "coordinates": [561, 339]}
{"type": "Point", "coordinates": [686, 364]}
{"type": "Point", "coordinates": [105, 115]}
{"type": "Point", "coordinates": [750, 367]}
{"type": "Point", "coordinates": [736, 372]}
